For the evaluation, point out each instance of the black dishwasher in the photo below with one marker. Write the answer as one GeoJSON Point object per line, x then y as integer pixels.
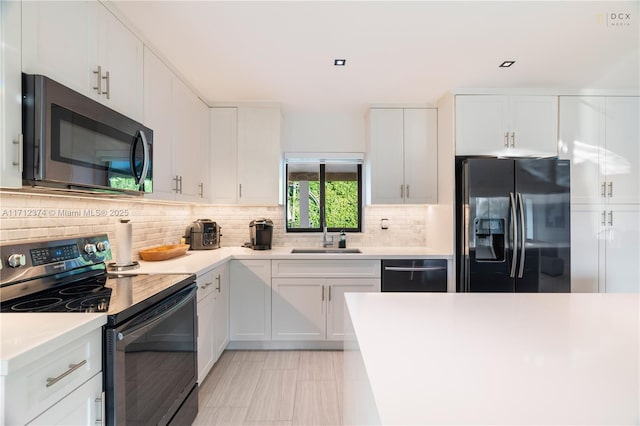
{"type": "Point", "coordinates": [418, 275]}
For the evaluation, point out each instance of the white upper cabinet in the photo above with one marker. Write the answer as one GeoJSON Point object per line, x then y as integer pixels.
{"type": "Point", "coordinates": [83, 46]}
{"type": "Point", "coordinates": [246, 155]}
{"type": "Point", "coordinates": [190, 140]}
{"type": "Point", "coordinates": [11, 96]}
{"type": "Point", "coordinates": [403, 155]}
{"type": "Point", "coordinates": [622, 153]}
{"type": "Point", "coordinates": [120, 56]}
{"type": "Point", "coordinates": [507, 125]}
{"type": "Point", "coordinates": [180, 124]}
{"type": "Point", "coordinates": [600, 135]}
{"type": "Point", "coordinates": [224, 155]}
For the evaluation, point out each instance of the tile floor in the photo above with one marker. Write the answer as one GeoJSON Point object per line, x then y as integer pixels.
{"type": "Point", "coordinates": [273, 388]}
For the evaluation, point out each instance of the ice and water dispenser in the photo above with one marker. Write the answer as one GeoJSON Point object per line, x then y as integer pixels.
{"type": "Point", "coordinates": [490, 239]}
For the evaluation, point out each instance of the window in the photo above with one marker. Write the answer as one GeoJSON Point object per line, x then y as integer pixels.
{"type": "Point", "coordinates": [319, 191]}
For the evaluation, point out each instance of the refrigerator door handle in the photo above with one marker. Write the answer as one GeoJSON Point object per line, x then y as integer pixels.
{"type": "Point", "coordinates": [514, 234]}
{"type": "Point", "coordinates": [522, 235]}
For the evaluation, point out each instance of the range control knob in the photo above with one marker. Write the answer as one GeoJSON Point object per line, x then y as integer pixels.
{"type": "Point", "coordinates": [90, 249]}
{"type": "Point", "coordinates": [103, 246]}
{"type": "Point", "coordinates": [17, 260]}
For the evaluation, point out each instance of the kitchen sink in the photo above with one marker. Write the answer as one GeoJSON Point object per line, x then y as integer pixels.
{"type": "Point", "coordinates": [325, 250]}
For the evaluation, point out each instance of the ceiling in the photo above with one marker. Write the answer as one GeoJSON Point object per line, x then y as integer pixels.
{"type": "Point", "coordinates": [396, 52]}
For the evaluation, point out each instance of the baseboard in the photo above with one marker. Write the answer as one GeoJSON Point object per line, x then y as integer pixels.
{"type": "Point", "coordinates": [272, 345]}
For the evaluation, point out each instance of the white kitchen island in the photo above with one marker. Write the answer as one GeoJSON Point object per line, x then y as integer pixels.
{"type": "Point", "coordinates": [472, 358]}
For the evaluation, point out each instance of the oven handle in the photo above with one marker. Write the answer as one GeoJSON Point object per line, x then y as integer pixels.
{"type": "Point", "coordinates": [149, 321]}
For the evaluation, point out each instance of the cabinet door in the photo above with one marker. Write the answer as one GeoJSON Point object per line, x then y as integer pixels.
{"type": "Point", "coordinates": [336, 311]}
{"type": "Point", "coordinates": [157, 116]}
{"type": "Point", "coordinates": [190, 152]}
{"type": "Point", "coordinates": [259, 157]}
{"type": "Point", "coordinates": [421, 156]}
{"type": "Point", "coordinates": [533, 125]}
{"type": "Point", "coordinates": [299, 309]}
{"type": "Point", "coordinates": [481, 124]}
{"type": "Point", "coordinates": [221, 310]}
{"type": "Point", "coordinates": [11, 99]}
{"type": "Point", "coordinates": [121, 55]}
{"type": "Point", "coordinates": [80, 407]}
{"type": "Point", "coordinates": [59, 40]}
{"type": "Point", "coordinates": [206, 332]}
{"type": "Point", "coordinates": [250, 300]}
{"type": "Point", "coordinates": [386, 155]}
{"type": "Point", "coordinates": [582, 133]}
{"type": "Point", "coordinates": [587, 232]}
{"type": "Point", "coordinates": [622, 166]}
{"type": "Point", "coordinates": [224, 156]}
{"type": "Point", "coordinates": [623, 250]}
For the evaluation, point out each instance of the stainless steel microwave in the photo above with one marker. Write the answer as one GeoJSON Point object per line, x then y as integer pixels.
{"type": "Point", "coordinates": [73, 142]}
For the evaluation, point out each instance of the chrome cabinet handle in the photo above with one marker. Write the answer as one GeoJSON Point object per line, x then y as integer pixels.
{"type": "Point", "coordinates": [604, 215]}
{"type": "Point", "coordinates": [407, 191]}
{"type": "Point", "coordinates": [218, 283]}
{"type": "Point", "coordinates": [98, 88]}
{"type": "Point", "coordinates": [401, 191]}
{"type": "Point", "coordinates": [323, 293]}
{"type": "Point", "coordinates": [610, 189]}
{"type": "Point", "coordinates": [72, 367]}
{"type": "Point", "coordinates": [176, 179]}
{"type": "Point", "coordinates": [514, 233]}
{"type": "Point", "coordinates": [240, 190]}
{"type": "Point", "coordinates": [329, 293]}
{"type": "Point", "coordinates": [513, 139]}
{"type": "Point", "coordinates": [201, 186]}
{"type": "Point", "coordinates": [603, 189]}
{"type": "Point", "coordinates": [522, 236]}
{"type": "Point", "coordinates": [108, 80]}
{"type": "Point", "coordinates": [506, 139]}
{"type": "Point", "coordinates": [610, 218]}
{"type": "Point", "coordinates": [19, 142]}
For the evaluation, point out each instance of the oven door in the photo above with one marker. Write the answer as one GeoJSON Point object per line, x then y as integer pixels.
{"type": "Point", "coordinates": [151, 363]}
{"type": "Point", "coordinates": [75, 142]}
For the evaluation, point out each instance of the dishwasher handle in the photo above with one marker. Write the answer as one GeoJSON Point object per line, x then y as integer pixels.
{"type": "Point", "coordinates": [414, 268]}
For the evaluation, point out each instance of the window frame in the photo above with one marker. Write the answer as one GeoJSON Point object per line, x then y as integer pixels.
{"type": "Point", "coordinates": [322, 164]}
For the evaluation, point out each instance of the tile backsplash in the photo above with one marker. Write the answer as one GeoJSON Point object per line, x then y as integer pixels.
{"type": "Point", "coordinates": [37, 216]}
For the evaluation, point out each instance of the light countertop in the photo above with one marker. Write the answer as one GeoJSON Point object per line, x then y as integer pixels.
{"type": "Point", "coordinates": [478, 358]}
{"type": "Point", "coordinates": [200, 261]}
{"type": "Point", "coordinates": [26, 337]}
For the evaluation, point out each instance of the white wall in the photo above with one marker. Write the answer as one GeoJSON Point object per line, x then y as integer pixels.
{"type": "Point", "coordinates": [323, 129]}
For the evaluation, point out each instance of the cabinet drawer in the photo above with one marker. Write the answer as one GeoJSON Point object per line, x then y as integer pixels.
{"type": "Point", "coordinates": [205, 284]}
{"type": "Point", "coordinates": [42, 383]}
{"type": "Point", "coordinates": [369, 268]}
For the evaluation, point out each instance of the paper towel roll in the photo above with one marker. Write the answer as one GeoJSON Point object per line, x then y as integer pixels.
{"type": "Point", "coordinates": [124, 236]}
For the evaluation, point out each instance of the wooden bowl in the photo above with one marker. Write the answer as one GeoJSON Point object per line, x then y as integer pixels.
{"type": "Point", "coordinates": [164, 252]}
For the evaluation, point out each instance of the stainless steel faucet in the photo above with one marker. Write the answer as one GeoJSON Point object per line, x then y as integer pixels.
{"type": "Point", "coordinates": [327, 240]}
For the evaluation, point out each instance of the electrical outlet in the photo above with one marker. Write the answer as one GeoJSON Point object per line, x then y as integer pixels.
{"type": "Point", "coordinates": [384, 223]}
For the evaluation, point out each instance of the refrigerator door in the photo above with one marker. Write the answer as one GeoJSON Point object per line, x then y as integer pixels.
{"type": "Point", "coordinates": [543, 211]}
{"type": "Point", "coordinates": [488, 226]}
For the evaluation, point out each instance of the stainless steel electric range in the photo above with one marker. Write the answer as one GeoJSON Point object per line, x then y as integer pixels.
{"type": "Point", "coordinates": [150, 339]}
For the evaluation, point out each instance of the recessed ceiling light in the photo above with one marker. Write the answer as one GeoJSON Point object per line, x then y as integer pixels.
{"type": "Point", "coordinates": [339, 62]}
{"type": "Point", "coordinates": [507, 64]}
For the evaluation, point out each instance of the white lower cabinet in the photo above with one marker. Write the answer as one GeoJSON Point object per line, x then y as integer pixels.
{"type": "Point", "coordinates": [308, 296]}
{"type": "Point", "coordinates": [63, 386]}
{"type": "Point", "coordinates": [313, 308]}
{"type": "Point", "coordinates": [205, 310]}
{"type": "Point", "coordinates": [250, 300]}
{"type": "Point", "coordinates": [83, 406]}
{"type": "Point", "coordinates": [213, 317]}
{"type": "Point", "coordinates": [221, 309]}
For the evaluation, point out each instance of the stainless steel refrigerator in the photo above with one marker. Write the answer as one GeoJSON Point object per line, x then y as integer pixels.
{"type": "Point", "coordinates": [513, 225]}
